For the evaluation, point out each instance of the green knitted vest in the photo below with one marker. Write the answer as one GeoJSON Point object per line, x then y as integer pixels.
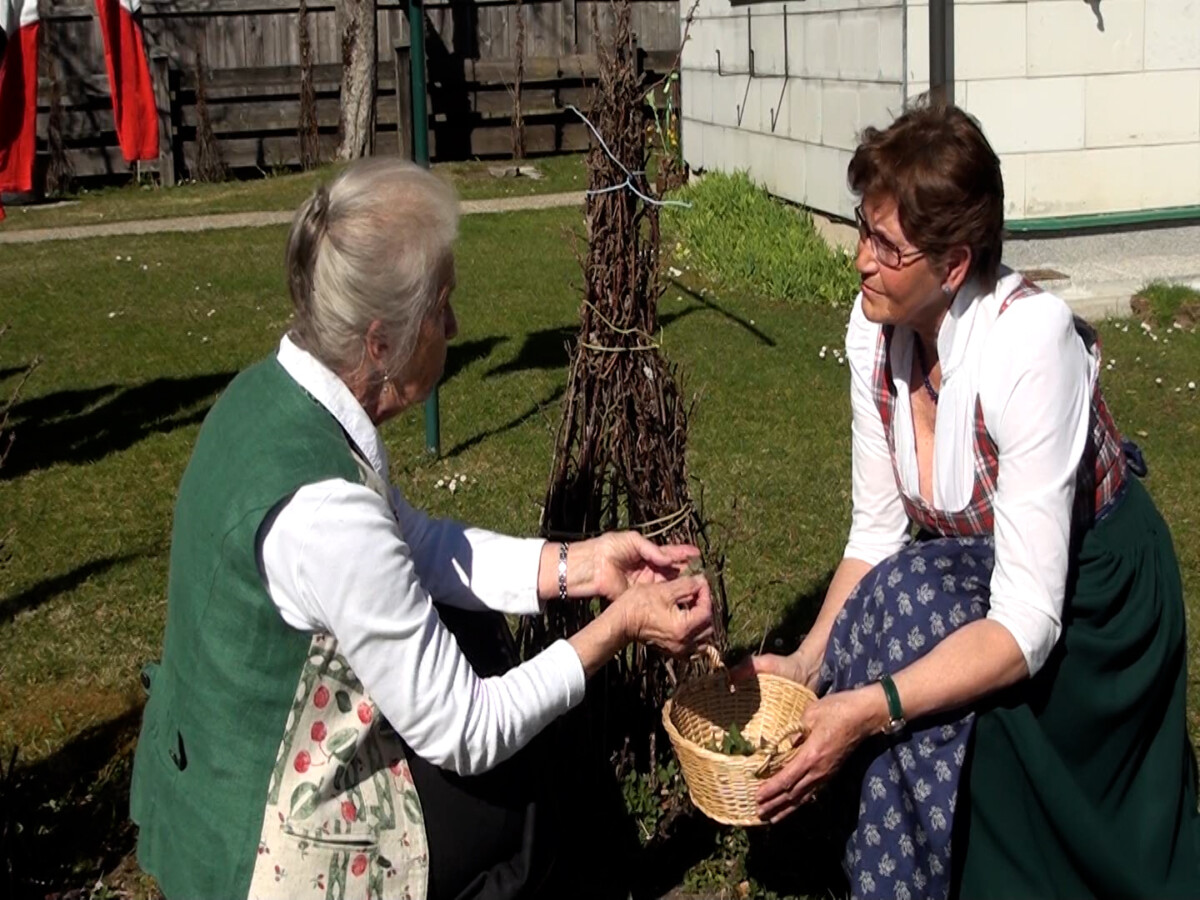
{"type": "Point", "coordinates": [220, 700]}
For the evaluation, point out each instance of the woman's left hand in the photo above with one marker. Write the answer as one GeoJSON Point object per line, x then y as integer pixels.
{"type": "Point", "coordinates": [619, 560]}
{"type": "Point", "coordinates": [834, 725]}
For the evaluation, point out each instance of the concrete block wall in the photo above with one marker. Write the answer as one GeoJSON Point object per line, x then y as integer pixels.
{"type": "Point", "coordinates": [822, 73]}
{"type": "Point", "coordinates": [1092, 108]}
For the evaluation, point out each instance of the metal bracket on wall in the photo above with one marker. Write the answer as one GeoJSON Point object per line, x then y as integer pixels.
{"type": "Point", "coordinates": [778, 107]}
{"type": "Point", "coordinates": [741, 108]}
{"type": "Point", "coordinates": [721, 71]}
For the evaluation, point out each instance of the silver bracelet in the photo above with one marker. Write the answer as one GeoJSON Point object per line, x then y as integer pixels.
{"type": "Point", "coordinates": [562, 571]}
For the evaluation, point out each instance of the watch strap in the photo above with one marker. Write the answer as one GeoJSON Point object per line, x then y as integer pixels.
{"type": "Point", "coordinates": [895, 710]}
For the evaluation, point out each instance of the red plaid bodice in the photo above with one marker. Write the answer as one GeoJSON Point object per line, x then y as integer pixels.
{"type": "Point", "coordinates": [1102, 471]}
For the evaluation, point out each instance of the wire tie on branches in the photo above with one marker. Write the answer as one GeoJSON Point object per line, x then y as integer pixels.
{"type": "Point", "coordinates": [614, 327]}
{"type": "Point", "coordinates": [601, 348]}
{"type": "Point", "coordinates": [667, 522]}
{"type": "Point", "coordinates": [629, 176]}
{"type": "Point", "coordinates": [675, 518]}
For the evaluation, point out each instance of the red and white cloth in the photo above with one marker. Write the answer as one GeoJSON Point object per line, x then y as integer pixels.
{"type": "Point", "coordinates": [129, 77]}
{"type": "Point", "coordinates": [18, 93]}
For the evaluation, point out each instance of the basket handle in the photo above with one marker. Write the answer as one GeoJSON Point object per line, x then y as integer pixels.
{"type": "Point", "coordinates": [716, 663]}
{"type": "Point", "coordinates": [776, 749]}
{"type": "Point", "coordinates": [714, 657]}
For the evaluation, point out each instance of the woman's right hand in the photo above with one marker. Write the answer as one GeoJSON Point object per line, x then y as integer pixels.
{"type": "Point", "coordinates": [675, 615]}
{"type": "Point", "coordinates": [803, 667]}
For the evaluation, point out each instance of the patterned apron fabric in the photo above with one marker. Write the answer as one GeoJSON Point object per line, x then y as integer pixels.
{"type": "Point", "coordinates": [898, 613]}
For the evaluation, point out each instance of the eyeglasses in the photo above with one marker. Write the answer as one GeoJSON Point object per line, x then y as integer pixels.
{"type": "Point", "coordinates": [886, 253]}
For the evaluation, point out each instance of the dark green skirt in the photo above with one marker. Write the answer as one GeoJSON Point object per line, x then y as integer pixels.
{"type": "Point", "coordinates": [1082, 782]}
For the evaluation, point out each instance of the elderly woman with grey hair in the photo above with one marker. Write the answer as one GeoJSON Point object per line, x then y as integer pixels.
{"type": "Point", "coordinates": [336, 673]}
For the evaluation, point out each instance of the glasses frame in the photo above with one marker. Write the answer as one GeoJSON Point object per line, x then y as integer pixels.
{"type": "Point", "coordinates": [885, 252]}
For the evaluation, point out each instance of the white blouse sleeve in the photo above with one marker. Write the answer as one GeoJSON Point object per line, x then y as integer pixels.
{"type": "Point", "coordinates": [879, 524]}
{"type": "Point", "coordinates": [469, 567]}
{"type": "Point", "coordinates": [1035, 392]}
{"type": "Point", "coordinates": [334, 560]}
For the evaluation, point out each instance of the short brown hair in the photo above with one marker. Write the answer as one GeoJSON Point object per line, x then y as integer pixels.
{"type": "Point", "coordinates": [945, 178]}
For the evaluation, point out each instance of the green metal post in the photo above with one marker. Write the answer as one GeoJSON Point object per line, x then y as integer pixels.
{"type": "Point", "coordinates": [416, 29]}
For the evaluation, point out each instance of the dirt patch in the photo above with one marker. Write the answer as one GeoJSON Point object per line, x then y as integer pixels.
{"type": "Point", "coordinates": [1186, 316]}
{"type": "Point", "coordinates": [42, 717]}
{"type": "Point", "coordinates": [65, 813]}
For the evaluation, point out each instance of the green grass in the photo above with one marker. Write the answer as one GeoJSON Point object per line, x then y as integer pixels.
{"type": "Point", "coordinates": [133, 359]}
{"type": "Point", "coordinates": [738, 235]}
{"type": "Point", "coordinates": [276, 192]}
{"type": "Point", "coordinates": [1168, 303]}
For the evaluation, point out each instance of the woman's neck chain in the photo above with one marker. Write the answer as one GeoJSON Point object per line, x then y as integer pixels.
{"type": "Point", "coordinates": [933, 395]}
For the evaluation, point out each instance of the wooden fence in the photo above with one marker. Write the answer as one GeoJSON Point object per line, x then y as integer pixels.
{"type": "Point", "coordinates": [251, 52]}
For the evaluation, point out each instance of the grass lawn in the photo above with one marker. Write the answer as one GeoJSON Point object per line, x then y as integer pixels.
{"type": "Point", "coordinates": [133, 359]}
{"type": "Point", "coordinates": [472, 179]}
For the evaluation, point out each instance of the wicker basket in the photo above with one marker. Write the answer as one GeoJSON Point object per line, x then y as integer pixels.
{"type": "Point", "coordinates": [767, 711]}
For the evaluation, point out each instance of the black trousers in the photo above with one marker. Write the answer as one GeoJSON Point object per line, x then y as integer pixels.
{"type": "Point", "coordinates": [546, 823]}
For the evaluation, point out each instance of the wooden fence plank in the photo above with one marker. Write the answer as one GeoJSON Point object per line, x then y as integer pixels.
{"type": "Point", "coordinates": [402, 59]}
{"type": "Point", "coordinates": [161, 75]}
{"type": "Point", "coordinates": [251, 49]}
{"type": "Point", "coordinates": [255, 49]}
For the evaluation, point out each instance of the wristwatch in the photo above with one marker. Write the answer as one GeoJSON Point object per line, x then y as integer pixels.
{"type": "Point", "coordinates": [897, 721]}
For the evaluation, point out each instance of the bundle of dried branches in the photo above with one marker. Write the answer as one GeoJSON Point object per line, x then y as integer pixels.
{"type": "Point", "coordinates": [209, 167]}
{"type": "Point", "coordinates": [620, 457]}
{"type": "Point", "coordinates": [60, 173]}
{"type": "Point", "coordinates": [310, 148]}
{"type": "Point", "coordinates": [518, 116]}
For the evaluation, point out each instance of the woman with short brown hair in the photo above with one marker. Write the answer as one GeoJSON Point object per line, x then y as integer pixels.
{"type": "Point", "coordinates": [1032, 632]}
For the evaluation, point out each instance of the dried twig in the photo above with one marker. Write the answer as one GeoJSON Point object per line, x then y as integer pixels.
{"type": "Point", "coordinates": [310, 148]}
{"type": "Point", "coordinates": [518, 116]}
{"type": "Point", "coordinates": [209, 167]}
{"type": "Point", "coordinates": [620, 458]}
{"type": "Point", "coordinates": [60, 173]}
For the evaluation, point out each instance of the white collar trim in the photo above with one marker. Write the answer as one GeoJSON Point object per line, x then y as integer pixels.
{"type": "Point", "coordinates": [331, 392]}
{"type": "Point", "coordinates": [957, 325]}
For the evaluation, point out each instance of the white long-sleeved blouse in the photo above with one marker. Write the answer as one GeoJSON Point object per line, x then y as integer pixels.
{"type": "Point", "coordinates": [1034, 379]}
{"type": "Point", "coordinates": [338, 558]}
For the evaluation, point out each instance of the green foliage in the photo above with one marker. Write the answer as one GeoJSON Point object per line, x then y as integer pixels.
{"type": "Point", "coordinates": [648, 796]}
{"type": "Point", "coordinates": [1167, 303]}
{"type": "Point", "coordinates": [736, 234]}
{"type": "Point", "coordinates": [732, 743]}
{"type": "Point", "coordinates": [134, 357]}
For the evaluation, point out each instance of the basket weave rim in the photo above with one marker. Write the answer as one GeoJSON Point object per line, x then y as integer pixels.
{"type": "Point", "coordinates": [698, 686]}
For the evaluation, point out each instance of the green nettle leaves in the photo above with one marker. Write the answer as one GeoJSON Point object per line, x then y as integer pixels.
{"type": "Point", "coordinates": [343, 701]}
{"type": "Point", "coordinates": [733, 744]}
{"type": "Point", "coordinates": [305, 798]}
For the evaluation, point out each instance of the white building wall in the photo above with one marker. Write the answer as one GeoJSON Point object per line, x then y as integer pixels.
{"type": "Point", "coordinates": [794, 123]}
{"type": "Point", "coordinates": [1093, 107]}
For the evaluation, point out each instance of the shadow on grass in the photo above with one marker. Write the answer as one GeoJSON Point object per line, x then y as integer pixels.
{"type": "Point", "coordinates": [550, 348]}
{"type": "Point", "coordinates": [66, 818]}
{"type": "Point", "coordinates": [663, 865]}
{"type": "Point", "coordinates": [801, 856]}
{"type": "Point", "coordinates": [710, 304]}
{"type": "Point", "coordinates": [82, 426]}
{"type": "Point", "coordinates": [461, 354]}
{"type": "Point", "coordinates": [798, 616]}
{"type": "Point", "coordinates": [9, 371]}
{"type": "Point", "coordinates": [48, 588]}
{"type": "Point", "coordinates": [553, 397]}
{"type": "Point", "coordinates": [545, 349]}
